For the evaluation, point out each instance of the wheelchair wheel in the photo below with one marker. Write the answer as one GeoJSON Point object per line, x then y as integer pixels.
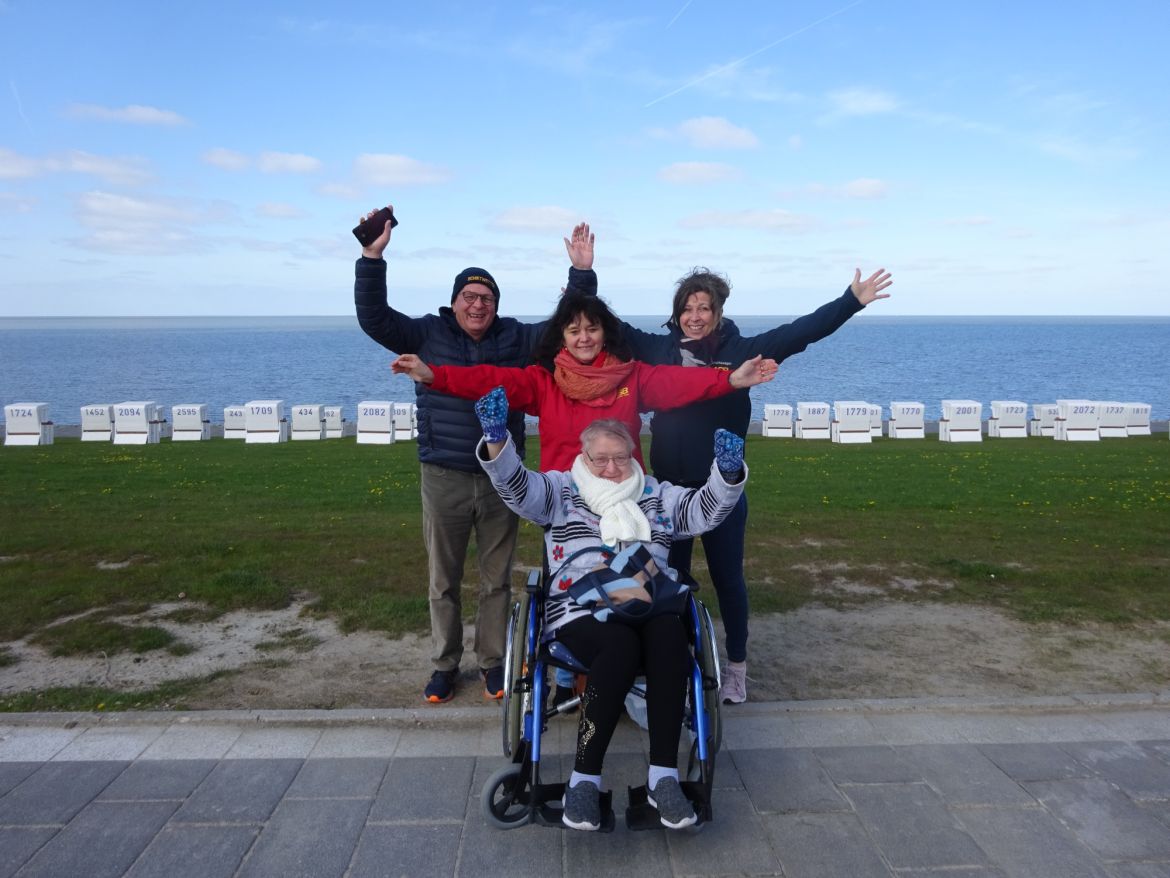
{"type": "Point", "coordinates": [514, 658]}
{"type": "Point", "coordinates": [500, 806]}
{"type": "Point", "coordinates": [709, 665]}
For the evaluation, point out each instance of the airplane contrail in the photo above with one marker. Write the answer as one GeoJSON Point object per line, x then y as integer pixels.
{"type": "Point", "coordinates": [19, 105]}
{"type": "Point", "coordinates": [680, 12]}
{"type": "Point", "coordinates": [739, 61]}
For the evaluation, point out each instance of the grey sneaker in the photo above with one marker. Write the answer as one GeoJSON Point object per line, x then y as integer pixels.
{"type": "Point", "coordinates": [582, 806]}
{"type": "Point", "coordinates": [734, 689]}
{"type": "Point", "coordinates": [674, 809]}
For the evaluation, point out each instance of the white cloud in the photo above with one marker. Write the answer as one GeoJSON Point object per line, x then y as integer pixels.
{"type": "Point", "coordinates": [227, 159]}
{"type": "Point", "coordinates": [135, 114]}
{"type": "Point", "coordinates": [277, 210]}
{"type": "Point", "coordinates": [862, 102]}
{"type": "Point", "coordinates": [380, 169]}
{"type": "Point", "coordinates": [347, 191]}
{"type": "Point", "coordinates": [795, 142]}
{"type": "Point", "coordinates": [14, 166]}
{"type": "Point", "coordinates": [715, 132]}
{"type": "Point", "coordinates": [287, 163]}
{"type": "Point", "coordinates": [122, 171]}
{"type": "Point", "coordinates": [697, 173]}
{"type": "Point", "coordinates": [866, 188]}
{"type": "Point", "coordinates": [125, 171]}
{"type": "Point", "coordinates": [745, 84]}
{"type": "Point", "coordinates": [126, 224]}
{"type": "Point", "coordinates": [10, 202]}
{"type": "Point", "coordinates": [535, 219]}
{"type": "Point", "coordinates": [768, 220]}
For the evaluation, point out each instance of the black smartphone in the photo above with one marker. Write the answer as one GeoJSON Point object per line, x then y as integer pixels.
{"type": "Point", "coordinates": [368, 230]}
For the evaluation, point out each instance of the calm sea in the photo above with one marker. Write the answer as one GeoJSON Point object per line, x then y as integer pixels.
{"type": "Point", "coordinates": [71, 362]}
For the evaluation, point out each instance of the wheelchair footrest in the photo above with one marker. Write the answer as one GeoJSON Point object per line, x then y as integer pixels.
{"type": "Point", "coordinates": [641, 815]}
{"type": "Point", "coordinates": [549, 809]}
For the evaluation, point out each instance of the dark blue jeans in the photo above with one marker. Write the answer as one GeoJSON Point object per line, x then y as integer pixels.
{"type": "Point", "coordinates": [724, 549]}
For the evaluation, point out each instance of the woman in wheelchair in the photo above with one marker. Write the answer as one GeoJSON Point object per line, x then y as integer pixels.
{"type": "Point", "coordinates": [605, 499]}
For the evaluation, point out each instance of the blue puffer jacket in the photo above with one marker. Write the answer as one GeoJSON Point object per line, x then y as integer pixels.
{"type": "Point", "coordinates": [448, 429]}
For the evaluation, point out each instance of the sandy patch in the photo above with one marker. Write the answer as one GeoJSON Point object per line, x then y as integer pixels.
{"type": "Point", "coordinates": [883, 649]}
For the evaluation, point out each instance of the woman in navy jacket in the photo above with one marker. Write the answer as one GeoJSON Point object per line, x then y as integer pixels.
{"type": "Point", "coordinates": [698, 335]}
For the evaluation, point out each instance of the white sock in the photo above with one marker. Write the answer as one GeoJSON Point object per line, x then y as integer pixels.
{"type": "Point", "coordinates": [576, 777]}
{"type": "Point", "coordinates": [657, 773]}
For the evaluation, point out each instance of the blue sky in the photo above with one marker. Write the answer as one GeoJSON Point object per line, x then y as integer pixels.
{"type": "Point", "coordinates": [210, 158]}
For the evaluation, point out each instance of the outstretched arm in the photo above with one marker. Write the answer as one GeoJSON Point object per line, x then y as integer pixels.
{"type": "Point", "coordinates": [751, 372]}
{"type": "Point", "coordinates": [413, 366]}
{"type": "Point", "coordinates": [870, 289]}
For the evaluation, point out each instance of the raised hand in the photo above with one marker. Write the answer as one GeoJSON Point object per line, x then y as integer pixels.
{"type": "Point", "coordinates": [728, 452]}
{"type": "Point", "coordinates": [492, 411]}
{"type": "Point", "coordinates": [580, 246]}
{"type": "Point", "coordinates": [755, 371]}
{"type": "Point", "coordinates": [871, 288]}
{"type": "Point", "coordinates": [378, 246]}
{"type": "Point", "coordinates": [412, 365]}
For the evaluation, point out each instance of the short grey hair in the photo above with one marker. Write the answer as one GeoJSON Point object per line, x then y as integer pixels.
{"type": "Point", "coordinates": [607, 427]}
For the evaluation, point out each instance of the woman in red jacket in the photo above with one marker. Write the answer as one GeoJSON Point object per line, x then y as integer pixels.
{"type": "Point", "coordinates": [586, 371]}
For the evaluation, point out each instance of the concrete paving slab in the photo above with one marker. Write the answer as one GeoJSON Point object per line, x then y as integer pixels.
{"type": "Point", "coordinates": [105, 744]}
{"type": "Point", "coordinates": [35, 744]}
{"type": "Point", "coordinates": [1105, 819]}
{"type": "Point", "coordinates": [923, 727]}
{"type": "Point", "coordinates": [154, 779]}
{"type": "Point", "coordinates": [56, 791]}
{"type": "Point", "coordinates": [913, 828]}
{"type": "Point", "coordinates": [525, 852]}
{"type": "Point", "coordinates": [19, 843]}
{"type": "Point", "coordinates": [1026, 843]}
{"type": "Point", "coordinates": [425, 849]}
{"type": "Point", "coordinates": [307, 839]}
{"type": "Point", "coordinates": [788, 780]}
{"type": "Point", "coordinates": [435, 788]}
{"type": "Point", "coordinates": [12, 773]}
{"type": "Point", "coordinates": [818, 845]}
{"type": "Point", "coordinates": [193, 742]}
{"type": "Point", "coordinates": [239, 791]}
{"type": "Point", "coordinates": [103, 841]}
{"type": "Point", "coordinates": [736, 842]}
{"type": "Point", "coordinates": [1131, 767]}
{"type": "Point", "coordinates": [338, 779]}
{"type": "Point", "coordinates": [274, 743]}
{"type": "Point", "coordinates": [874, 764]}
{"type": "Point", "coordinates": [964, 776]}
{"type": "Point", "coordinates": [1139, 870]}
{"type": "Point", "coordinates": [587, 855]}
{"type": "Point", "coordinates": [195, 852]}
{"type": "Point", "coordinates": [356, 742]}
{"type": "Point", "coordinates": [1025, 762]}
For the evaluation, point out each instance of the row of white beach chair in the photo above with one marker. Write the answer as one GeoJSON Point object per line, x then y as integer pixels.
{"type": "Point", "coordinates": [853, 421]}
{"type": "Point", "coordinates": [381, 422]}
{"type": "Point", "coordinates": [262, 420]}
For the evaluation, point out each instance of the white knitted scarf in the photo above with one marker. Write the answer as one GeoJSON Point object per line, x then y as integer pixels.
{"type": "Point", "coordinates": [622, 520]}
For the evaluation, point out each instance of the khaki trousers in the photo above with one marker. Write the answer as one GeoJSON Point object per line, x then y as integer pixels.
{"type": "Point", "coordinates": [455, 504]}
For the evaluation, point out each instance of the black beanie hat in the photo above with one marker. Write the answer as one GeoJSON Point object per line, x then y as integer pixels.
{"type": "Point", "coordinates": [474, 275]}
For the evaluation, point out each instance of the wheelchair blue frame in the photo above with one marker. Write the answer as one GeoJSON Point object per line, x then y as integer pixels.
{"type": "Point", "coordinates": [515, 795]}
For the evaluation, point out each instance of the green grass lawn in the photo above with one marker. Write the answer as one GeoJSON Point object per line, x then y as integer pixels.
{"type": "Point", "coordinates": [1046, 530]}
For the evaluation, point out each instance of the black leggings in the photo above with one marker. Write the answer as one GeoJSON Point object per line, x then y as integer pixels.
{"type": "Point", "coordinates": [614, 653]}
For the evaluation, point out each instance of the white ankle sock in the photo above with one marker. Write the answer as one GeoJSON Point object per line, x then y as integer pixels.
{"type": "Point", "coordinates": [576, 777]}
{"type": "Point", "coordinates": [657, 773]}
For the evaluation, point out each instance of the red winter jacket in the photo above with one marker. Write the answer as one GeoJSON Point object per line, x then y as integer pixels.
{"type": "Point", "coordinates": [534, 391]}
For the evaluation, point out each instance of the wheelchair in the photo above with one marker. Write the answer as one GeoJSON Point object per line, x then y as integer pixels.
{"type": "Point", "coordinates": [516, 795]}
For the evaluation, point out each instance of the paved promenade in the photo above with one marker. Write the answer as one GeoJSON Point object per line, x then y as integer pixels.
{"type": "Point", "coordinates": [1063, 787]}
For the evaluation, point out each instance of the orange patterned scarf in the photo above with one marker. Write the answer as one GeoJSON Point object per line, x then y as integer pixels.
{"type": "Point", "coordinates": [594, 385]}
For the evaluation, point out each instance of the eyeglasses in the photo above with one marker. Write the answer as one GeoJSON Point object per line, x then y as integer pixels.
{"type": "Point", "coordinates": [472, 298]}
{"type": "Point", "coordinates": [621, 461]}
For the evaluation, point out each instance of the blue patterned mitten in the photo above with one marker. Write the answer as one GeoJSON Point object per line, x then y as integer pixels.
{"type": "Point", "coordinates": [492, 410]}
{"type": "Point", "coordinates": [728, 453]}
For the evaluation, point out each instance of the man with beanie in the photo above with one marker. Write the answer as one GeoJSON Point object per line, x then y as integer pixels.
{"type": "Point", "coordinates": [457, 497]}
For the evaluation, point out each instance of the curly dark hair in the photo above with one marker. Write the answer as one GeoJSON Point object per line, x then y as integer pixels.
{"type": "Point", "coordinates": [700, 280]}
{"type": "Point", "coordinates": [570, 307]}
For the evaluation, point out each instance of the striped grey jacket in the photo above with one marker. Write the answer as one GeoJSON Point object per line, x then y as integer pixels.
{"type": "Point", "coordinates": [551, 500]}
